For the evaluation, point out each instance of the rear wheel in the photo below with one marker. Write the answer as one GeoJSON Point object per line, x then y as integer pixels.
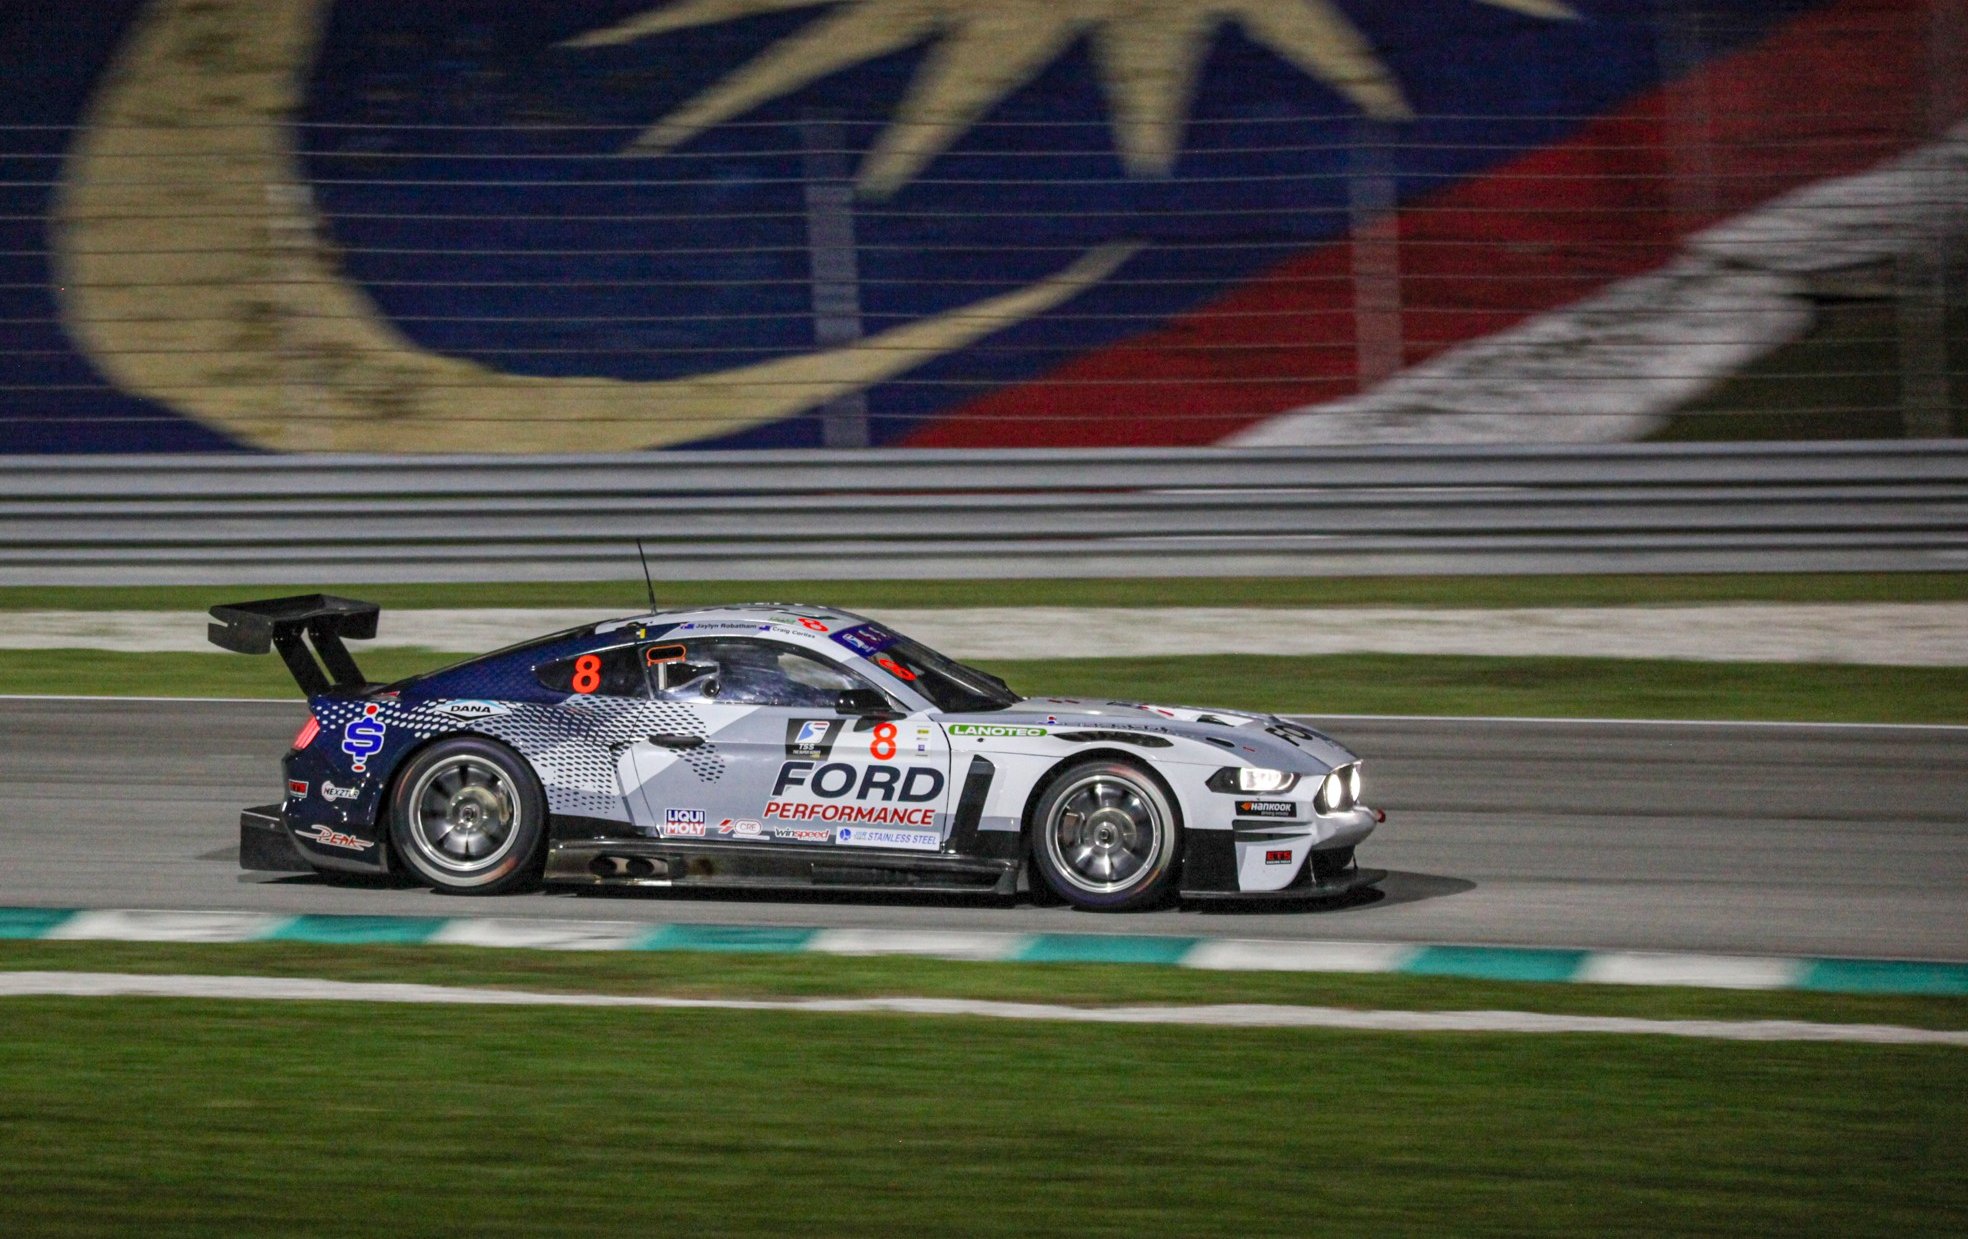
{"type": "Point", "coordinates": [1106, 837]}
{"type": "Point", "coordinates": [468, 815]}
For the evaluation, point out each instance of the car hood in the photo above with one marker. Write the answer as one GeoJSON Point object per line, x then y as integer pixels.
{"type": "Point", "coordinates": [1244, 738]}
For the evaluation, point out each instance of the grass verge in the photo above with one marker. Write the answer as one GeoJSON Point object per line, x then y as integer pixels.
{"type": "Point", "coordinates": [696, 974]}
{"type": "Point", "coordinates": [1324, 684]}
{"type": "Point", "coordinates": [179, 1117]}
{"type": "Point", "coordinates": [1433, 591]}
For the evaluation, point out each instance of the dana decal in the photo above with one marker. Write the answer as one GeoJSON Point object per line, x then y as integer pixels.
{"type": "Point", "coordinates": [332, 792]}
{"type": "Point", "coordinates": [916, 840]}
{"type": "Point", "coordinates": [363, 738]}
{"type": "Point", "coordinates": [467, 711]}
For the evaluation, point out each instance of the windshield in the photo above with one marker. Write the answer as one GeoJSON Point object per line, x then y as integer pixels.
{"type": "Point", "coordinates": [951, 686]}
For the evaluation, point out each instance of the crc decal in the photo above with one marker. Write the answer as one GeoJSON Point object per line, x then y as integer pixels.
{"type": "Point", "coordinates": [1266, 808]}
{"type": "Point", "coordinates": [363, 738]}
{"type": "Point", "coordinates": [917, 840]}
{"type": "Point", "coordinates": [1278, 856]}
{"type": "Point", "coordinates": [994, 731]}
{"type": "Point", "coordinates": [812, 738]}
{"type": "Point", "coordinates": [866, 640]}
{"type": "Point", "coordinates": [296, 787]}
{"type": "Point", "coordinates": [744, 828]}
{"type": "Point", "coordinates": [331, 792]}
{"type": "Point", "coordinates": [839, 781]}
{"type": "Point", "coordinates": [468, 711]}
{"type": "Point", "coordinates": [333, 838]}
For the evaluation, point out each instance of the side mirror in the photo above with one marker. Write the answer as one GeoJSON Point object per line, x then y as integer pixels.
{"type": "Point", "coordinates": [866, 702]}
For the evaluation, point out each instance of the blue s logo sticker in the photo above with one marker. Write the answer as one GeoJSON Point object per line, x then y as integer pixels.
{"type": "Point", "coordinates": [363, 737]}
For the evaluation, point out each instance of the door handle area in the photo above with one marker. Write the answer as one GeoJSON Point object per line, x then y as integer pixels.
{"type": "Point", "coordinates": [676, 740]}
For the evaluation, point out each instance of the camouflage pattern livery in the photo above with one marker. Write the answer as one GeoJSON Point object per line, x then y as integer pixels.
{"type": "Point", "coordinates": [778, 744]}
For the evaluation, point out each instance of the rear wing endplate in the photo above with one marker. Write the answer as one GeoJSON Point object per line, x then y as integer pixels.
{"type": "Point", "coordinates": [282, 623]}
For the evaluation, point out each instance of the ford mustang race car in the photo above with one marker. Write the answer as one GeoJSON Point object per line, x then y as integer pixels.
{"type": "Point", "coordinates": [776, 744]}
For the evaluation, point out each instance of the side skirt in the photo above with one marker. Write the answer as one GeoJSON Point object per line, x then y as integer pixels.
{"type": "Point", "coordinates": [673, 862]}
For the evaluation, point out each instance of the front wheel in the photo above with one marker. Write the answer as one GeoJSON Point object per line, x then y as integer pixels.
{"type": "Point", "coordinates": [468, 816]}
{"type": "Point", "coordinates": [1106, 838]}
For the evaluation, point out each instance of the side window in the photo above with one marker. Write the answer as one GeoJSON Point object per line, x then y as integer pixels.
{"type": "Point", "coordinates": [614, 672]}
{"type": "Point", "coordinates": [756, 673]}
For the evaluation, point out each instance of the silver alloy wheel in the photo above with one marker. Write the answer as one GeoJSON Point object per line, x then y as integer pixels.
{"type": "Point", "coordinates": [464, 815]}
{"type": "Point", "coordinates": [1105, 832]}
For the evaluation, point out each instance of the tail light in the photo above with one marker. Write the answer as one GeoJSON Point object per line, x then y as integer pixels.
{"type": "Point", "coordinates": [309, 730]}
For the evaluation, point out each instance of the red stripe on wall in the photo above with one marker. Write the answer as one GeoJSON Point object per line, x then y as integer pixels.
{"type": "Point", "coordinates": [1832, 93]}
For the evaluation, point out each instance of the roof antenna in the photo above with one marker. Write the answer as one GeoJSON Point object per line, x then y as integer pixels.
{"type": "Point", "coordinates": [649, 584]}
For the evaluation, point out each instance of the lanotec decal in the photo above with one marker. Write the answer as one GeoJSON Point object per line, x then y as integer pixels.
{"type": "Point", "coordinates": [363, 738]}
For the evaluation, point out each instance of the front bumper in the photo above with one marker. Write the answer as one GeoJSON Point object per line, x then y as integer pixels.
{"type": "Point", "coordinates": [1279, 859]}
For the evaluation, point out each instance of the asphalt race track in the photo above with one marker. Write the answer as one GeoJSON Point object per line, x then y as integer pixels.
{"type": "Point", "coordinates": [1712, 837]}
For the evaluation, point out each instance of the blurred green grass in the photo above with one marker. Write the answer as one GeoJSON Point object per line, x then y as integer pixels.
{"type": "Point", "coordinates": [171, 1117]}
{"type": "Point", "coordinates": [1322, 684]}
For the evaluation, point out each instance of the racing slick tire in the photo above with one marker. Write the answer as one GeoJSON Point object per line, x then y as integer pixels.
{"type": "Point", "coordinates": [1105, 837]}
{"type": "Point", "coordinates": [467, 815]}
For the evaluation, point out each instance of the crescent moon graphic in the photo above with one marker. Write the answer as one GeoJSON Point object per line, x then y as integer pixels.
{"type": "Point", "coordinates": [195, 272]}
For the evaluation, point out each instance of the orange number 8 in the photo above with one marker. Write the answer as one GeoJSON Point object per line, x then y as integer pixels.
{"type": "Point", "coordinates": [901, 672]}
{"type": "Point", "coordinates": [884, 740]}
{"type": "Point", "coordinates": [587, 673]}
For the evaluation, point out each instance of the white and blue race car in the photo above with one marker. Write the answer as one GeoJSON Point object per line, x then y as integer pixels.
{"type": "Point", "coordinates": [776, 745]}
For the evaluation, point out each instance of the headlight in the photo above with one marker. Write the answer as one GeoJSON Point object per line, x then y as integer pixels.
{"type": "Point", "coordinates": [1256, 779]}
{"type": "Point", "coordinates": [1339, 791]}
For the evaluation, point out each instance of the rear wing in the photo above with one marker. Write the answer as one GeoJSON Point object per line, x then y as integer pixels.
{"type": "Point", "coordinates": [281, 623]}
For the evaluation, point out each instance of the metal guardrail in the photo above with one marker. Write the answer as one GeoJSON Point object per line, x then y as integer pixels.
{"type": "Point", "coordinates": [1875, 506]}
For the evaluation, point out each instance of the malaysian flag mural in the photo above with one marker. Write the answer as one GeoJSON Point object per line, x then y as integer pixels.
{"type": "Point", "coordinates": [603, 225]}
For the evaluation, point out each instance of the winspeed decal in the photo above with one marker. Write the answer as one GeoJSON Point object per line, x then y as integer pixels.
{"type": "Point", "coordinates": [363, 738]}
